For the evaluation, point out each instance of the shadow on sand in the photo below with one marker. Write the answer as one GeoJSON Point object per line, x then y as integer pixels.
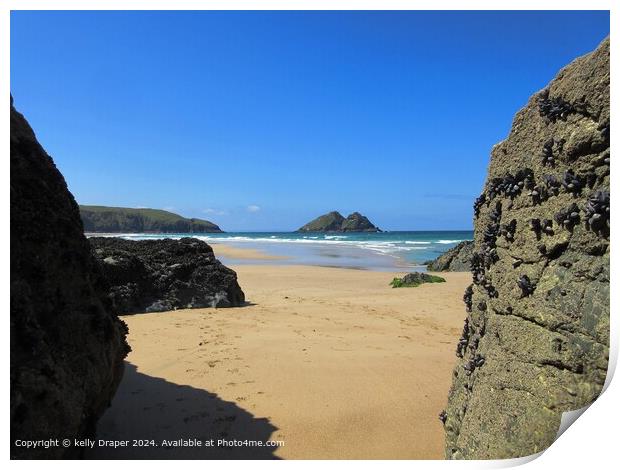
{"type": "Point", "coordinates": [148, 408]}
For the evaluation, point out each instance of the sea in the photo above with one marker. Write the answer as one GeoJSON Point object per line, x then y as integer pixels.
{"type": "Point", "coordinates": [384, 251]}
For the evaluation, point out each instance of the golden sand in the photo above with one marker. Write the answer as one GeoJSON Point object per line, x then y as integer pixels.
{"type": "Point", "coordinates": [332, 361]}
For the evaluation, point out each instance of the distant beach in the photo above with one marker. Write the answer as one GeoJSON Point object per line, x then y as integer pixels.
{"type": "Point", "coordinates": [386, 251]}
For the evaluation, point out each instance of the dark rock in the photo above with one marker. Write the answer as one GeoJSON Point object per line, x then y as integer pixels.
{"type": "Point", "coordinates": [480, 200]}
{"type": "Point", "coordinates": [335, 222]}
{"type": "Point", "coordinates": [161, 275]}
{"type": "Point", "coordinates": [67, 347]}
{"type": "Point", "coordinates": [455, 259]}
{"type": "Point", "coordinates": [536, 340]}
{"type": "Point", "coordinates": [597, 213]}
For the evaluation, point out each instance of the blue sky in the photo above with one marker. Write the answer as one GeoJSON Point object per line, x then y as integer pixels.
{"type": "Point", "coordinates": [264, 120]}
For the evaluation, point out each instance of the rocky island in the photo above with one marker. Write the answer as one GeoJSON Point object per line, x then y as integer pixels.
{"type": "Point", "coordinates": [536, 338]}
{"type": "Point", "coordinates": [335, 222]}
{"type": "Point", "coordinates": [102, 219]}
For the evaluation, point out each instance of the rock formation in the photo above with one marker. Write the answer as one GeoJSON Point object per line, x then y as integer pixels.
{"type": "Point", "coordinates": [455, 259]}
{"type": "Point", "coordinates": [335, 222]}
{"type": "Point", "coordinates": [67, 347]}
{"type": "Point", "coordinates": [536, 339]}
{"type": "Point", "coordinates": [356, 222]}
{"type": "Point", "coordinates": [160, 275]}
{"type": "Point", "coordinates": [101, 219]}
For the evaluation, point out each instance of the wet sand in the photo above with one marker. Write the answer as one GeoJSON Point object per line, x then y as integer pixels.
{"type": "Point", "coordinates": [332, 361]}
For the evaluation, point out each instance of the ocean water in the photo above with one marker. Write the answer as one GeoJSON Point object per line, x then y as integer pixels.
{"type": "Point", "coordinates": [377, 251]}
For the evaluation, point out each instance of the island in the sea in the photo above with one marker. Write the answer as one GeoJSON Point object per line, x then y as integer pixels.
{"type": "Point", "coordinates": [102, 219]}
{"type": "Point", "coordinates": [335, 222]}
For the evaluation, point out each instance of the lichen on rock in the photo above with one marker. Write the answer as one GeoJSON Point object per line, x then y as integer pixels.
{"type": "Point", "coordinates": [536, 337]}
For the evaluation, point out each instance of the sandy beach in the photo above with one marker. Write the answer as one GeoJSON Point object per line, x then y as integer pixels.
{"type": "Point", "coordinates": [223, 250]}
{"type": "Point", "coordinates": [331, 361]}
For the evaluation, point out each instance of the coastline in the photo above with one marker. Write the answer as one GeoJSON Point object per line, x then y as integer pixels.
{"type": "Point", "coordinates": [384, 251]}
{"type": "Point", "coordinates": [317, 359]}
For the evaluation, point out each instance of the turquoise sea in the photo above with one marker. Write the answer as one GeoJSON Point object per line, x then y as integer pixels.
{"type": "Point", "coordinates": [377, 251]}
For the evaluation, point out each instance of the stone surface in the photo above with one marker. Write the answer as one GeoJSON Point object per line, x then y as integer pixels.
{"type": "Point", "coordinates": [536, 339]}
{"type": "Point", "coordinates": [335, 222]}
{"type": "Point", "coordinates": [455, 259]}
{"type": "Point", "coordinates": [67, 347]}
{"type": "Point", "coordinates": [160, 275]}
{"type": "Point", "coordinates": [102, 219]}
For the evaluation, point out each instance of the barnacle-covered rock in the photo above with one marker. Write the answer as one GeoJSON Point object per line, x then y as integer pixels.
{"type": "Point", "coordinates": [572, 183]}
{"type": "Point", "coordinates": [480, 200]}
{"type": "Point", "coordinates": [542, 294]}
{"type": "Point", "coordinates": [596, 213]}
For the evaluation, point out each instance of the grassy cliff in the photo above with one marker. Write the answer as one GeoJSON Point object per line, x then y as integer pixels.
{"type": "Point", "coordinates": [104, 219]}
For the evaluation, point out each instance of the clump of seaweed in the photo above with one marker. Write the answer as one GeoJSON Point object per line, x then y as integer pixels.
{"type": "Point", "coordinates": [547, 153]}
{"type": "Point", "coordinates": [538, 194]}
{"type": "Point", "coordinates": [552, 184]}
{"type": "Point", "coordinates": [464, 340]}
{"type": "Point", "coordinates": [415, 279]}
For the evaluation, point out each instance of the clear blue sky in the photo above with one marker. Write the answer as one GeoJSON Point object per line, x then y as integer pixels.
{"type": "Point", "coordinates": [264, 120]}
